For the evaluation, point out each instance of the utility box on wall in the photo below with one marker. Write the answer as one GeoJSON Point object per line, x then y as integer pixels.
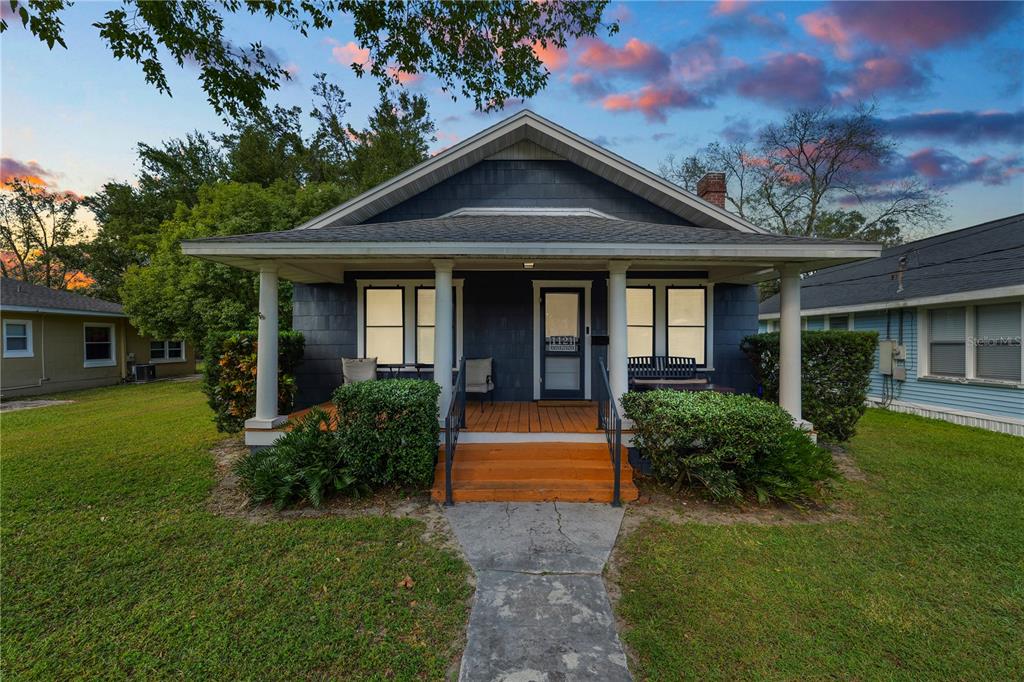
{"type": "Point", "coordinates": [886, 350]}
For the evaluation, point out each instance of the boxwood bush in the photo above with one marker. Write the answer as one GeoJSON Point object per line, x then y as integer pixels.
{"type": "Point", "coordinates": [229, 375]}
{"type": "Point", "coordinates": [836, 372]}
{"type": "Point", "coordinates": [727, 445]}
{"type": "Point", "coordinates": [389, 430]}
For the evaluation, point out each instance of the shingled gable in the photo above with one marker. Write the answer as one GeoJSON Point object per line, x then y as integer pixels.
{"type": "Point", "coordinates": [528, 129]}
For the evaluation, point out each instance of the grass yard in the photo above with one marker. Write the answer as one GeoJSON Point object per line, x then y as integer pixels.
{"type": "Point", "coordinates": [925, 582]}
{"type": "Point", "coordinates": [112, 567]}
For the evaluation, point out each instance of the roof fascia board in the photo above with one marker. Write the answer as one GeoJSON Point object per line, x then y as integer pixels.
{"type": "Point", "coordinates": [516, 249]}
{"type": "Point", "coordinates": [57, 311]}
{"type": "Point", "coordinates": [940, 299]}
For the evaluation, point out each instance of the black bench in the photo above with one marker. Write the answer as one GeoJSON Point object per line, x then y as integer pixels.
{"type": "Point", "coordinates": [647, 372]}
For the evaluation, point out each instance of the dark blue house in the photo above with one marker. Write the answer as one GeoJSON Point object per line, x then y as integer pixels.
{"type": "Point", "coordinates": [531, 246]}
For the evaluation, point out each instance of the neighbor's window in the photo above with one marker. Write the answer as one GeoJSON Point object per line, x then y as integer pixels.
{"type": "Point", "coordinates": [17, 338]}
{"type": "Point", "coordinates": [385, 325]}
{"type": "Point", "coordinates": [639, 321]}
{"type": "Point", "coordinates": [840, 322]}
{"type": "Point", "coordinates": [99, 345]}
{"type": "Point", "coordinates": [947, 342]}
{"type": "Point", "coordinates": [686, 322]}
{"type": "Point", "coordinates": [425, 325]}
{"type": "Point", "coordinates": [166, 350]}
{"type": "Point", "coordinates": [997, 341]}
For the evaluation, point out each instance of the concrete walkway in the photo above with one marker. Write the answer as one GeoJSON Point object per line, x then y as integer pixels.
{"type": "Point", "coordinates": [541, 612]}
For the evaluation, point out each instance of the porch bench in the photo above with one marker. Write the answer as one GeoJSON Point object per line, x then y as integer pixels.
{"type": "Point", "coordinates": [649, 372]}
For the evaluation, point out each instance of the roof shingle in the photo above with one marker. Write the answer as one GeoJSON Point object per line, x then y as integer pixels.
{"type": "Point", "coordinates": [22, 294]}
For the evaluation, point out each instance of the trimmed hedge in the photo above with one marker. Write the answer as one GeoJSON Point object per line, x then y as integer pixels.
{"type": "Point", "coordinates": [389, 429]}
{"type": "Point", "coordinates": [836, 370]}
{"type": "Point", "coordinates": [728, 445]}
{"type": "Point", "coordinates": [229, 375]}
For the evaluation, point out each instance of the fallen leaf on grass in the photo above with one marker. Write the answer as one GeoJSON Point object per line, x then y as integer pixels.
{"type": "Point", "coordinates": [406, 582]}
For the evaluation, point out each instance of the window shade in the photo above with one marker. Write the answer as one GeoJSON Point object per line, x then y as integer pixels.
{"type": "Point", "coordinates": [947, 342]}
{"type": "Point", "coordinates": [997, 342]}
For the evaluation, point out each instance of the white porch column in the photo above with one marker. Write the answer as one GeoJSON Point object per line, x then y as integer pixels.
{"type": "Point", "coordinates": [789, 341]}
{"type": "Point", "coordinates": [443, 331]}
{"type": "Point", "coordinates": [618, 378]}
{"type": "Point", "coordinates": [266, 355]}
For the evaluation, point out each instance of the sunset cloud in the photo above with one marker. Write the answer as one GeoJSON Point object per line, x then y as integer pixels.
{"type": "Point", "coordinates": [349, 53]}
{"type": "Point", "coordinates": [725, 7]}
{"type": "Point", "coordinates": [964, 127]}
{"type": "Point", "coordinates": [904, 26]}
{"type": "Point", "coordinates": [945, 169]}
{"type": "Point", "coordinates": [786, 79]}
{"type": "Point", "coordinates": [29, 171]}
{"type": "Point", "coordinates": [882, 74]}
{"type": "Point", "coordinates": [635, 57]}
{"type": "Point", "coordinates": [552, 56]}
{"type": "Point", "coordinates": [654, 101]}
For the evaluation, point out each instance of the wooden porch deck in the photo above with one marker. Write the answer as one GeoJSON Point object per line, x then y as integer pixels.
{"type": "Point", "coordinates": [510, 417]}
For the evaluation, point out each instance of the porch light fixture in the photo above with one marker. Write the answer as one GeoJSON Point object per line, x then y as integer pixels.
{"type": "Point", "coordinates": [528, 265]}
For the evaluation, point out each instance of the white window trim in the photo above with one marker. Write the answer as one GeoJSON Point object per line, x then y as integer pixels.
{"type": "Point", "coordinates": [661, 310]}
{"type": "Point", "coordinates": [408, 314]}
{"type": "Point", "coordinates": [165, 360]}
{"type": "Point", "coordinates": [29, 351]}
{"type": "Point", "coordinates": [584, 284]}
{"type": "Point", "coordinates": [970, 377]}
{"type": "Point", "coordinates": [112, 362]}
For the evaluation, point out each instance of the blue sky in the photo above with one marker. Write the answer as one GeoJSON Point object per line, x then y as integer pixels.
{"type": "Point", "coordinates": [946, 78]}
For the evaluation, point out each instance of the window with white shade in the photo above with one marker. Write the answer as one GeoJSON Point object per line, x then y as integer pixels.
{"type": "Point", "coordinates": [385, 325]}
{"type": "Point", "coordinates": [686, 319]}
{"type": "Point", "coordinates": [947, 342]}
{"type": "Point", "coordinates": [639, 321]}
{"type": "Point", "coordinates": [166, 351]}
{"type": "Point", "coordinates": [99, 345]}
{"type": "Point", "coordinates": [425, 325]}
{"type": "Point", "coordinates": [997, 341]}
{"type": "Point", "coordinates": [17, 338]}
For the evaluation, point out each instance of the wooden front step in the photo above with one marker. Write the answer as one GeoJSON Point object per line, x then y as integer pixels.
{"type": "Point", "coordinates": [533, 472]}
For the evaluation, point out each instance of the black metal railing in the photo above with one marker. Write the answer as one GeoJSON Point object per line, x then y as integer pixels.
{"type": "Point", "coordinates": [608, 419]}
{"type": "Point", "coordinates": [454, 421]}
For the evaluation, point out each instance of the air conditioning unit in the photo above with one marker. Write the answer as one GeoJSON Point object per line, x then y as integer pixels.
{"type": "Point", "coordinates": [144, 373]}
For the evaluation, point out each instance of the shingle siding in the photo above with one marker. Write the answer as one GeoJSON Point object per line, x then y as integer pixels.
{"type": "Point", "coordinates": [528, 184]}
{"type": "Point", "coordinates": [498, 323]}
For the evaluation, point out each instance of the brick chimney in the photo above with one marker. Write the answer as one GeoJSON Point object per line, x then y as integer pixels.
{"type": "Point", "coordinates": [711, 188]}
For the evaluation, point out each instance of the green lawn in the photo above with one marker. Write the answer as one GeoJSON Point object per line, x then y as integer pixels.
{"type": "Point", "coordinates": [926, 581]}
{"type": "Point", "coordinates": [112, 567]}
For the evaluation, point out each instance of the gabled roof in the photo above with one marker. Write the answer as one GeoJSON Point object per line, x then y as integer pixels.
{"type": "Point", "coordinates": [985, 257]}
{"type": "Point", "coordinates": [21, 296]}
{"type": "Point", "coordinates": [536, 130]}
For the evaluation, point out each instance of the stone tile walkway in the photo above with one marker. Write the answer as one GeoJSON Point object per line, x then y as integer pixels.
{"type": "Point", "coordinates": [541, 612]}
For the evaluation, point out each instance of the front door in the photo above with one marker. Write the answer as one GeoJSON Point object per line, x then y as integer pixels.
{"type": "Point", "coordinates": [561, 343]}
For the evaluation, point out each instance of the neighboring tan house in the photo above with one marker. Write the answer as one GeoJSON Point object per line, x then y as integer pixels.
{"type": "Point", "coordinates": [59, 341]}
{"type": "Point", "coordinates": [948, 310]}
{"type": "Point", "coordinates": [544, 257]}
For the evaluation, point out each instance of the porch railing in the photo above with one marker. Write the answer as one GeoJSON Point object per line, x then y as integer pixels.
{"type": "Point", "coordinates": [608, 419]}
{"type": "Point", "coordinates": [454, 421]}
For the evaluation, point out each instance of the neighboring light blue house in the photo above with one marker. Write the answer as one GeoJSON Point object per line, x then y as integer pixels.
{"type": "Point", "coordinates": [948, 311]}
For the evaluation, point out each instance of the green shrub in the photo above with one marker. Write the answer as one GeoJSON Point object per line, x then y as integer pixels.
{"type": "Point", "coordinates": [229, 375]}
{"type": "Point", "coordinates": [835, 375]}
{"type": "Point", "coordinates": [726, 444]}
{"type": "Point", "coordinates": [389, 430]}
{"type": "Point", "coordinates": [304, 464]}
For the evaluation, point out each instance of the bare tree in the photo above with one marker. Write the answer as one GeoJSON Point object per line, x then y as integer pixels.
{"type": "Point", "coordinates": [40, 232]}
{"type": "Point", "coordinates": [817, 173]}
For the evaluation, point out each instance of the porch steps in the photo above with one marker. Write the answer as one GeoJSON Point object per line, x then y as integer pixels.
{"type": "Point", "coordinates": [533, 472]}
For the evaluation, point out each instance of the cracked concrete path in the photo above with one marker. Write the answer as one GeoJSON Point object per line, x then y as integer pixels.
{"type": "Point", "coordinates": [541, 612]}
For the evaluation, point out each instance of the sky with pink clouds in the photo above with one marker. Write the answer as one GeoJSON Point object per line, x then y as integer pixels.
{"type": "Point", "coordinates": [947, 79]}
